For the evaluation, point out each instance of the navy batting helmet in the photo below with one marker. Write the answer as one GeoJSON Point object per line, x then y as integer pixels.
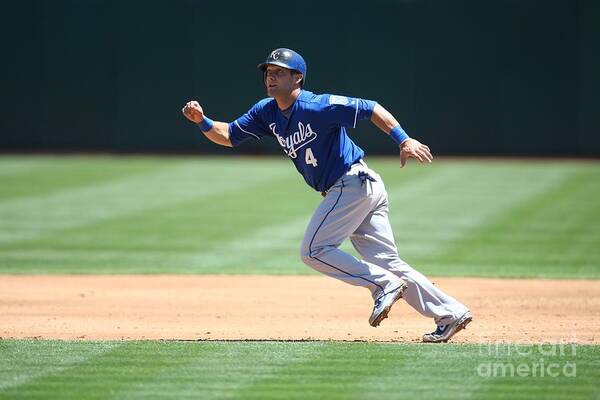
{"type": "Point", "coordinates": [285, 58]}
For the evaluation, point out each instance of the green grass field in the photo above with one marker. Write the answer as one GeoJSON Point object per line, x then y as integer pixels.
{"type": "Point", "coordinates": [300, 370]}
{"type": "Point", "coordinates": [235, 215]}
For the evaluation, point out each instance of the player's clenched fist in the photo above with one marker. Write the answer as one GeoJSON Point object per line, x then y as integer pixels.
{"type": "Point", "coordinates": [193, 111]}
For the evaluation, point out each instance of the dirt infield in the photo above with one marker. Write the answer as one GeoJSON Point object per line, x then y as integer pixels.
{"type": "Point", "coordinates": [284, 308]}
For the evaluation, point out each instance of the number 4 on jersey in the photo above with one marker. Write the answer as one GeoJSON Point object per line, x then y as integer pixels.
{"type": "Point", "coordinates": [309, 157]}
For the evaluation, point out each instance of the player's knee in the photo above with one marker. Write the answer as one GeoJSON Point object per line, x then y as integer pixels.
{"type": "Point", "coordinates": [305, 250]}
{"type": "Point", "coordinates": [309, 256]}
{"type": "Point", "coordinates": [305, 256]}
{"type": "Point", "coordinates": [308, 260]}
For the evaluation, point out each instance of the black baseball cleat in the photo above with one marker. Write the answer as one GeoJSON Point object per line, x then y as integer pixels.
{"type": "Point", "coordinates": [384, 304]}
{"type": "Point", "coordinates": [443, 333]}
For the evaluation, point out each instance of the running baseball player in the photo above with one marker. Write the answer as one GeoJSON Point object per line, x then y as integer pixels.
{"type": "Point", "coordinates": [311, 130]}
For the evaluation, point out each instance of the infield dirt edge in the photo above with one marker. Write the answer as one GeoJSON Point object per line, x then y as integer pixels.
{"type": "Point", "coordinates": [284, 308]}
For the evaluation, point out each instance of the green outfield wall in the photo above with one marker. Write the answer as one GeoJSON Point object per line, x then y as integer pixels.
{"type": "Point", "coordinates": [468, 77]}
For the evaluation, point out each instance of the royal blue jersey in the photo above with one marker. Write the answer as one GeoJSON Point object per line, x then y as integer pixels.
{"type": "Point", "coordinates": [314, 136]}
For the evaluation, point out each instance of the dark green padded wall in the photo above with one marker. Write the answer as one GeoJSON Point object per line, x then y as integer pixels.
{"type": "Point", "coordinates": [467, 77]}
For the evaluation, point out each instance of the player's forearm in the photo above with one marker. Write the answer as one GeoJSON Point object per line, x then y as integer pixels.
{"type": "Point", "coordinates": [219, 133]}
{"type": "Point", "coordinates": [383, 119]}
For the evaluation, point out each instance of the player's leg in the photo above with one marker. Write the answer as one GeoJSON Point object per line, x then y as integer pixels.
{"type": "Point", "coordinates": [374, 240]}
{"type": "Point", "coordinates": [337, 217]}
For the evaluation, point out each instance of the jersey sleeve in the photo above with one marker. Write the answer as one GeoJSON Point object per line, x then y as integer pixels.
{"type": "Point", "coordinates": [347, 111]}
{"type": "Point", "coordinates": [248, 126]}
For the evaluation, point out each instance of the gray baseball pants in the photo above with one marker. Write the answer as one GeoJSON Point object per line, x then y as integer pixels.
{"type": "Point", "coordinates": [356, 206]}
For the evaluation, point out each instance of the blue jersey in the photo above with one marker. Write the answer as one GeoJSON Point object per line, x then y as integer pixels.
{"type": "Point", "coordinates": [314, 136]}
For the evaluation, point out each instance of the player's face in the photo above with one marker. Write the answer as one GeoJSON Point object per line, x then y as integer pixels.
{"type": "Point", "coordinates": [280, 81]}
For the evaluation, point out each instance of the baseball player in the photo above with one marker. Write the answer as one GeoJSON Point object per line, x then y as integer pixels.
{"type": "Point", "coordinates": [311, 130]}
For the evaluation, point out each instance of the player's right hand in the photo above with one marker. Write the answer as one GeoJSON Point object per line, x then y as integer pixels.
{"type": "Point", "coordinates": [193, 111]}
{"type": "Point", "coordinates": [415, 149]}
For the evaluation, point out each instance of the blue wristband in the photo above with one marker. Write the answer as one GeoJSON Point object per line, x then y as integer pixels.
{"type": "Point", "coordinates": [398, 135]}
{"type": "Point", "coordinates": [206, 124]}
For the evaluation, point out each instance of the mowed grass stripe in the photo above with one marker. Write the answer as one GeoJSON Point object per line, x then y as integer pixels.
{"type": "Point", "coordinates": [21, 164]}
{"type": "Point", "coordinates": [554, 234]}
{"type": "Point", "coordinates": [307, 370]}
{"type": "Point", "coordinates": [490, 371]}
{"type": "Point", "coordinates": [179, 226]}
{"type": "Point", "coordinates": [135, 245]}
{"type": "Point", "coordinates": [430, 217]}
{"type": "Point", "coordinates": [25, 219]}
{"type": "Point", "coordinates": [165, 369]}
{"type": "Point", "coordinates": [273, 246]}
{"type": "Point", "coordinates": [185, 237]}
{"type": "Point", "coordinates": [447, 218]}
{"type": "Point", "coordinates": [489, 193]}
{"type": "Point", "coordinates": [272, 249]}
{"type": "Point", "coordinates": [417, 371]}
{"type": "Point", "coordinates": [22, 365]}
{"type": "Point", "coordinates": [31, 176]}
{"type": "Point", "coordinates": [101, 376]}
{"type": "Point", "coordinates": [174, 238]}
{"type": "Point", "coordinates": [374, 371]}
{"type": "Point", "coordinates": [551, 371]}
{"type": "Point", "coordinates": [340, 371]}
{"type": "Point", "coordinates": [226, 370]}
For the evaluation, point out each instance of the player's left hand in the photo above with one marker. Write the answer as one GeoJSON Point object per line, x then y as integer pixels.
{"type": "Point", "coordinates": [193, 111]}
{"type": "Point", "coordinates": [415, 149]}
